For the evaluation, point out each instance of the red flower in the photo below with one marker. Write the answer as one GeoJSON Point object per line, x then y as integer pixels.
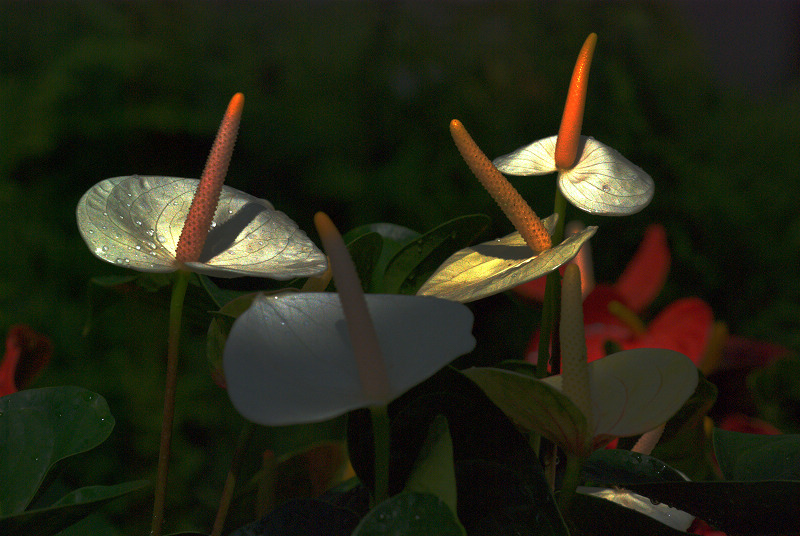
{"type": "Point", "coordinates": [27, 353]}
{"type": "Point", "coordinates": [611, 311]}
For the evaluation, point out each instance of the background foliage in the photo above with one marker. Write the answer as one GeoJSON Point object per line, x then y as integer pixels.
{"type": "Point", "coordinates": [347, 107]}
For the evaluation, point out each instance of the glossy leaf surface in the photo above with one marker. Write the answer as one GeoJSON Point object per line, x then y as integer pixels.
{"type": "Point", "coordinates": [499, 265]}
{"type": "Point", "coordinates": [288, 359]}
{"type": "Point", "coordinates": [757, 457]}
{"type": "Point", "coordinates": [420, 514]}
{"type": "Point", "coordinates": [135, 222]}
{"type": "Point", "coordinates": [39, 427]}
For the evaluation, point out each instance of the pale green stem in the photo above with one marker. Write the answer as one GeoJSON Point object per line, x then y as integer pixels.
{"type": "Point", "coordinates": [175, 313]}
{"type": "Point", "coordinates": [230, 481]}
{"type": "Point", "coordinates": [381, 434]}
{"type": "Point", "coordinates": [572, 475]}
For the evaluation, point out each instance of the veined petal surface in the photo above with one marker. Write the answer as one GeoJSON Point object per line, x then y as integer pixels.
{"type": "Point", "coordinates": [603, 181]}
{"type": "Point", "coordinates": [606, 183]}
{"type": "Point", "coordinates": [135, 221]}
{"type": "Point", "coordinates": [288, 359]}
{"type": "Point", "coordinates": [636, 390]}
{"type": "Point", "coordinates": [499, 265]}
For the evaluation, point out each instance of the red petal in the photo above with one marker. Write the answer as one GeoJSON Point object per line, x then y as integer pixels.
{"type": "Point", "coordinates": [27, 353]}
{"type": "Point", "coordinates": [646, 273]}
{"type": "Point", "coordinates": [683, 326]}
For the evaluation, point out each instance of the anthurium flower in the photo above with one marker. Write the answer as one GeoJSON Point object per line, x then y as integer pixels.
{"type": "Point", "coordinates": [138, 222]}
{"type": "Point", "coordinates": [311, 356]}
{"type": "Point", "coordinates": [624, 394]}
{"type": "Point", "coordinates": [27, 353]}
{"type": "Point", "coordinates": [493, 267]}
{"type": "Point", "coordinates": [611, 312]}
{"type": "Point", "coordinates": [592, 176]}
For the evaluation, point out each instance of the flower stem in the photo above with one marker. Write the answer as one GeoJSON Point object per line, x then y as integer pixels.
{"type": "Point", "coordinates": [381, 438]}
{"type": "Point", "coordinates": [569, 483]}
{"type": "Point", "coordinates": [230, 481]}
{"type": "Point", "coordinates": [175, 314]}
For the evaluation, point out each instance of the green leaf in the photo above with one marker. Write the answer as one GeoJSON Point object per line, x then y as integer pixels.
{"type": "Point", "coordinates": [67, 511]}
{"type": "Point", "coordinates": [366, 253]}
{"type": "Point", "coordinates": [535, 407]}
{"type": "Point", "coordinates": [220, 296]}
{"type": "Point", "coordinates": [595, 516]}
{"type": "Point", "coordinates": [757, 457]}
{"type": "Point", "coordinates": [621, 467]}
{"type": "Point", "coordinates": [434, 471]}
{"type": "Point", "coordinates": [420, 514]}
{"type": "Point", "coordinates": [687, 427]}
{"type": "Point", "coordinates": [410, 267]}
{"type": "Point", "coordinates": [218, 330]}
{"type": "Point", "coordinates": [39, 427]}
{"type": "Point", "coordinates": [392, 239]}
{"type": "Point", "coordinates": [733, 507]}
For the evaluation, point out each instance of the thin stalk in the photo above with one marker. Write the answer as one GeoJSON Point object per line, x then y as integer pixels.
{"type": "Point", "coordinates": [381, 439]}
{"type": "Point", "coordinates": [173, 342]}
{"type": "Point", "coordinates": [569, 483]}
{"type": "Point", "coordinates": [230, 481]}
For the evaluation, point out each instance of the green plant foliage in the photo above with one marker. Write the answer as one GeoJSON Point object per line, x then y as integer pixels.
{"type": "Point", "coordinates": [733, 507]}
{"type": "Point", "coordinates": [419, 258]}
{"type": "Point", "coordinates": [39, 427]}
{"type": "Point", "coordinates": [434, 472]}
{"type": "Point", "coordinates": [620, 467]}
{"type": "Point", "coordinates": [410, 512]}
{"type": "Point", "coordinates": [757, 457]}
{"type": "Point", "coordinates": [593, 516]}
{"type": "Point", "coordinates": [67, 511]}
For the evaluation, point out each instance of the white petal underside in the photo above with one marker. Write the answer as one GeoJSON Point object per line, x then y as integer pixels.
{"type": "Point", "coordinates": [637, 390]}
{"type": "Point", "coordinates": [603, 181]}
{"type": "Point", "coordinates": [499, 265]}
{"type": "Point", "coordinates": [136, 221]}
{"type": "Point", "coordinates": [288, 359]}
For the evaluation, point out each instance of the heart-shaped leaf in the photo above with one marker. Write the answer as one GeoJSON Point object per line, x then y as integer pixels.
{"type": "Point", "coordinates": [420, 514]}
{"type": "Point", "coordinates": [39, 427]}
{"type": "Point", "coordinates": [618, 467]}
{"type": "Point", "coordinates": [535, 407]}
{"type": "Point", "coordinates": [67, 511]}
{"type": "Point", "coordinates": [598, 516]}
{"type": "Point", "coordinates": [757, 457]}
{"type": "Point", "coordinates": [434, 472]}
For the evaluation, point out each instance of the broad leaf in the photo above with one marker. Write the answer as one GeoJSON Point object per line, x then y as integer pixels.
{"type": "Point", "coordinates": [596, 516]}
{"type": "Point", "coordinates": [420, 514]}
{"type": "Point", "coordinates": [67, 511]}
{"type": "Point", "coordinates": [434, 471]}
{"type": "Point", "coordinates": [620, 467]}
{"type": "Point", "coordinates": [757, 457]}
{"type": "Point", "coordinates": [39, 427]}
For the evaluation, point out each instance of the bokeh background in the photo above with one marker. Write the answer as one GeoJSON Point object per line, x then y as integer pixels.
{"type": "Point", "coordinates": [347, 107]}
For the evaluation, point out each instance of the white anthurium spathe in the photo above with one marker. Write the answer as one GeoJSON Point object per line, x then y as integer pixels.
{"type": "Point", "coordinates": [672, 517]}
{"type": "Point", "coordinates": [632, 392]}
{"type": "Point", "coordinates": [499, 265]}
{"type": "Point", "coordinates": [135, 222]}
{"type": "Point", "coordinates": [602, 181]}
{"type": "Point", "coordinates": [289, 359]}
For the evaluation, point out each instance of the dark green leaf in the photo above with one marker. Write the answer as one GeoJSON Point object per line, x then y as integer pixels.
{"type": "Point", "coordinates": [303, 517]}
{"type": "Point", "coordinates": [69, 510]}
{"type": "Point", "coordinates": [420, 514]}
{"type": "Point", "coordinates": [39, 427]}
{"type": "Point", "coordinates": [434, 471]}
{"type": "Point", "coordinates": [220, 296]}
{"type": "Point", "coordinates": [366, 252]}
{"type": "Point", "coordinates": [733, 507]}
{"type": "Point", "coordinates": [757, 457]}
{"type": "Point", "coordinates": [593, 516]}
{"type": "Point", "coordinates": [419, 259]}
{"type": "Point", "coordinates": [617, 467]}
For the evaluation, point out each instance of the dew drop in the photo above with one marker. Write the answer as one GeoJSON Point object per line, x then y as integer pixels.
{"type": "Point", "coordinates": [150, 232]}
{"type": "Point", "coordinates": [161, 238]}
{"type": "Point", "coordinates": [120, 261]}
{"type": "Point", "coordinates": [138, 222]}
{"type": "Point", "coordinates": [606, 188]}
{"type": "Point", "coordinates": [104, 248]}
{"type": "Point", "coordinates": [138, 248]}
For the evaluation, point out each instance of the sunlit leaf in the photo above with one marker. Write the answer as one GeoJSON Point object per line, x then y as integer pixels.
{"type": "Point", "coordinates": [502, 264]}
{"type": "Point", "coordinates": [420, 514]}
{"type": "Point", "coordinates": [602, 182]}
{"type": "Point", "coordinates": [289, 359]}
{"type": "Point", "coordinates": [39, 427]}
{"type": "Point", "coordinates": [135, 222]}
{"type": "Point", "coordinates": [599, 516]}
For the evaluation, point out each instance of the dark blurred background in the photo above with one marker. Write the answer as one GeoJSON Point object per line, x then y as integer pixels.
{"type": "Point", "coordinates": [347, 107]}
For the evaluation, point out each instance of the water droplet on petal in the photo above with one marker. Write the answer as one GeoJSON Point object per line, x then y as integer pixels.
{"type": "Point", "coordinates": [104, 248]}
{"type": "Point", "coordinates": [161, 238]}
